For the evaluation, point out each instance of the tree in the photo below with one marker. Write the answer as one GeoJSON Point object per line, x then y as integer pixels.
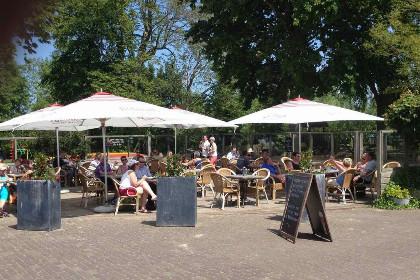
{"type": "Point", "coordinates": [275, 50]}
{"type": "Point", "coordinates": [403, 115]}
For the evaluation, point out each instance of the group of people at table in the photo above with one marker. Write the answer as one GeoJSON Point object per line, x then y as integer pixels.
{"type": "Point", "coordinates": [136, 176]}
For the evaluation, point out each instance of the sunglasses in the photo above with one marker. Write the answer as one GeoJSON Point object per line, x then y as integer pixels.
{"type": "Point", "coordinates": [142, 162]}
{"type": "Point", "coordinates": [124, 159]}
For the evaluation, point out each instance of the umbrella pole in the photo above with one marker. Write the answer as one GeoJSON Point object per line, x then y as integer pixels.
{"type": "Point", "coordinates": [300, 135]}
{"type": "Point", "coordinates": [105, 161]}
{"type": "Point", "coordinates": [175, 138]}
{"type": "Point", "coordinates": [58, 147]}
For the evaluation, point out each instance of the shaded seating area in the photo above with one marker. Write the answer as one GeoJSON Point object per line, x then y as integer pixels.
{"type": "Point", "coordinates": [341, 190]}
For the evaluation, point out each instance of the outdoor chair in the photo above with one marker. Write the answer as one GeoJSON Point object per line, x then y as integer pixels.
{"type": "Point", "coordinates": [391, 164]}
{"type": "Point", "coordinates": [258, 185]}
{"type": "Point", "coordinates": [224, 162]}
{"type": "Point", "coordinates": [371, 185]}
{"type": "Point", "coordinates": [285, 160]}
{"type": "Point", "coordinates": [348, 177]}
{"type": "Point", "coordinates": [204, 180]}
{"type": "Point", "coordinates": [274, 186]}
{"type": "Point", "coordinates": [256, 164]}
{"type": "Point", "coordinates": [162, 167]}
{"type": "Point", "coordinates": [126, 199]}
{"type": "Point", "coordinates": [154, 166]}
{"type": "Point", "coordinates": [226, 171]}
{"type": "Point", "coordinates": [234, 168]}
{"type": "Point", "coordinates": [224, 187]}
{"type": "Point", "coordinates": [91, 186]}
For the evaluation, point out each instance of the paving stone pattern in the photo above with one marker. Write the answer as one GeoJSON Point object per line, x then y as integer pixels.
{"type": "Point", "coordinates": [231, 244]}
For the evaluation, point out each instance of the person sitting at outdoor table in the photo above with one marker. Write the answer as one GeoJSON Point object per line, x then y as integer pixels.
{"type": "Point", "coordinates": [196, 160]}
{"type": "Point", "coordinates": [252, 155]}
{"type": "Point", "coordinates": [213, 151]}
{"type": "Point", "coordinates": [366, 175]}
{"type": "Point", "coordinates": [165, 159]}
{"type": "Point", "coordinates": [157, 155]}
{"type": "Point", "coordinates": [295, 163]}
{"type": "Point", "coordinates": [361, 164]}
{"type": "Point", "coordinates": [232, 155]}
{"type": "Point", "coordinates": [141, 172]}
{"type": "Point", "coordinates": [100, 171]}
{"type": "Point", "coordinates": [4, 194]}
{"type": "Point", "coordinates": [341, 166]}
{"type": "Point", "coordinates": [17, 168]}
{"type": "Point", "coordinates": [129, 179]}
{"type": "Point", "coordinates": [122, 168]}
{"type": "Point", "coordinates": [64, 163]}
{"type": "Point", "coordinates": [243, 161]}
{"type": "Point", "coordinates": [138, 154]}
{"type": "Point", "coordinates": [26, 162]}
{"type": "Point", "coordinates": [93, 164]}
{"type": "Point", "coordinates": [274, 170]}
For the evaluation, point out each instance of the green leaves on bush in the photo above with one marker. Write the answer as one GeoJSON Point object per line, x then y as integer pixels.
{"type": "Point", "coordinates": [394, 190]}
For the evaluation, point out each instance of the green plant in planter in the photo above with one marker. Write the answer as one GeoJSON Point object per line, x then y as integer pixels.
{"type": "Point", "coordinates": [41, 169]}
{"type": "Point", "coordinates": [174, 167]}
{"type": "Point", "coordinates": [394, 190]}
{"type": "Point", "coordinates": [306, 159]}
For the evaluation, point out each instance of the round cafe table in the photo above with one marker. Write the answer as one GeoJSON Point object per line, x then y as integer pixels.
{"type": "Point", "coordinates": [243, 183]}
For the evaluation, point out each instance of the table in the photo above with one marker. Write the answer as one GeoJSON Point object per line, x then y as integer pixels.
{"type": "Point", "coordinates": [243, 179]}
{"type": "Point", "coordinates": [16, 176]}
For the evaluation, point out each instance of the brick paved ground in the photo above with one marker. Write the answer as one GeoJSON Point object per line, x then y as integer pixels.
{"type": "Point", "coordinates": [230, 244]}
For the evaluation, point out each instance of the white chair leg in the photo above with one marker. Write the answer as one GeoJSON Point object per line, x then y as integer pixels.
{"type": "Point", "coordinates": [266, 197]}
{"type": "Point", "coordinates": [202, 190]}
{"type": "Point", "coordinates": [223, 201]}
{"type": "Point", "coordinates": [343, 193]}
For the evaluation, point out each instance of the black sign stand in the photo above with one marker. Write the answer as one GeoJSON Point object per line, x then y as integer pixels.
{"type": "Point", "coordinates": [304, 192]}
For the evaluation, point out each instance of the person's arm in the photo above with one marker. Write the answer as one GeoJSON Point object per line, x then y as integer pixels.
{"type": "Point", "coordinates": [229, 156]}
{"type": "Point", "coordinates": [289, 165]}
{"type": "Point", "coordinates": [133, 179]}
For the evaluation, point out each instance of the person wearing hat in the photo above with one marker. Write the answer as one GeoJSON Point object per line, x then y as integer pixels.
{"type": "Point", "coordinates": [251, 154]}
{"type": "Point", "coordinates": [4, 194]}
{"type": "Point", "coordinates": [131, 185]}
{"type": "Point", "coordinates": [213, 151]}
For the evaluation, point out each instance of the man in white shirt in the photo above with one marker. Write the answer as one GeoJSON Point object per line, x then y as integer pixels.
{"type": "Point", "coordinates": [232, 155]}
{"type": "Point", "coordinates": [205, 146]}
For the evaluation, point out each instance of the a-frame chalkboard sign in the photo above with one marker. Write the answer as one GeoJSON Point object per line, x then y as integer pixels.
{"type": "Point", "coordinates": [304, 192]}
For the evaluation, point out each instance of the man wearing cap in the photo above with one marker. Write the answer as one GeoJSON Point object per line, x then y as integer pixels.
{"type": "Point", "coordinates": [4, 194]}
{"type": "Point", "coordinates": [251, 154]}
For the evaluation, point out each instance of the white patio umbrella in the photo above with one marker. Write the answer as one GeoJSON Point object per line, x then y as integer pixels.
{"type": "Point", "coordinates": [192, 120]}
{"type": "Point", "coordinates": [300, 110]}
{"type": "Point", "coordinates": [19, 122]}
{"type": "Point", "coordinates": [104, 109]}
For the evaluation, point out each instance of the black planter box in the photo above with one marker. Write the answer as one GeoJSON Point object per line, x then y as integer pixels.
{"type": "Point", "coordinates": [177, 201]}
{"type": "Point", "coordinates": [38, 205]}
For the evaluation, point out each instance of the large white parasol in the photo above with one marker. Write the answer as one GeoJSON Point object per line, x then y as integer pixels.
{"type": "Point", "coordinates": [300, 110]}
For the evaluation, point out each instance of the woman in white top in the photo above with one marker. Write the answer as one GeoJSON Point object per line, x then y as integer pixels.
{"type": "Point", "coordinates": [130, 185]}
{"type": "Point", "coordinates": [213, 151]}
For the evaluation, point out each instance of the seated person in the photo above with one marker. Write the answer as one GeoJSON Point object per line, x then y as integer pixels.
{"type": "Point", "coordinates": [142, 171]}
{"type": "Point", "coordinates": [138, 154]}
{"type": "Point", "coordinates": [122, 168]}
{"type": "Point", "coordinates": [93, 164]}
{"type": "Point", "coordinates": [64, 163]}
{"type": "Point", "coordinates": [165, 159]}
{"type": "Point", "coordinates": [196, 160]}
{"type": "Point", "coordinates": [295, 163]}
{"type": "Point", "coordinates": [366, 175]}
{"type": "Point", "coordinates": [100, 172]}
{"type": "Point", "coordinates": [17, 168]}
{"type": "Point", "coordinates": [252, 155]}
{"type": "Point", "coordinates": [341, 166]}
{"type": "Point", "coordinates": [243, 161]}
{"type": "Point", "coordinates": [26, 162]}
{"type": "Point", "coordinates": [232, 155]}
{"type": "Point", "coordinates": [361, 164]}
{"type": "Point", "coordinates": [274, 170]}
{"type": "Point", "coordinates": [157, 155]}
{"type": "Point", "coordinates": [129, 179]}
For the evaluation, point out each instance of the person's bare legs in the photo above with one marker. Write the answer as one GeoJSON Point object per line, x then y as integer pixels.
{"type": "Point", "coordinates": [2, 203]}
{"type": "Point", "coordinates": [146, 190]}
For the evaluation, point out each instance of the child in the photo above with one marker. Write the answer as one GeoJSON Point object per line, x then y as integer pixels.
{"type": "Point", "coordinates": [4, 194]}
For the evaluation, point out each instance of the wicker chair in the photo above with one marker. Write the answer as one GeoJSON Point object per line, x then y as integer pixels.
{"type": "Point", "coordinates": [162, 167]}
{"type": "Point", "coordinates": [391, 164]}
{"type": "Point", "coordinates": [348, 177]}
{"type": "Point", "coordinates": [224, 162]}
{"type": "Point", "coordinates": [154, 166]}
{"type": "Point", "coordinates": [371, 185]}
{"type": "Point", "coordinates": [91, 186]}
{"type": "Point", "coordinates": [259, 185]}
{"type": "Point", "coordinates": [126, 199]}
{"type": "Point", "coordinates": [224, 187]}
{"type": "Point", "coordinates": [204, 179]}
{"type": "Point", "coordinates": [285, 160]}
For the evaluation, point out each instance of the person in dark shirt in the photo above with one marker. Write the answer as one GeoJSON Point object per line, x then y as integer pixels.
{"type": "Point", "coordinates": [243, 161]}
{"type": "Point", "coordinates": [295, 163]}
{"type": "Point", "coordinates": [64, 163]}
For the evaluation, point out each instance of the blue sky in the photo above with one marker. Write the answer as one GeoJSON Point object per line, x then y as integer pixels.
{"type": "Point", "coordinates": [43, 51]}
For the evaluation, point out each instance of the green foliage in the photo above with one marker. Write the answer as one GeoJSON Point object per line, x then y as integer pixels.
{"type": "Point", "coordinates": [384, 202]}
{"type": "Point", "coordinates": [408, 177]}
{"type": "Point", "coordinates": [403, 115]}
{"type": "Point", "coordinates": [394, 190]}
{"type": "Point", "coordinates": [174, 166]}
{"type": "Point", "coordinates": [41, 169]}
{"type": "Point", "coordinates": [306, 159]}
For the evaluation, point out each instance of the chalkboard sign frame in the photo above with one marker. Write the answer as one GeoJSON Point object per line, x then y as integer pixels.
{"type": "Point", "coordinates": [311, 199]}
{"type": "Point", "coordinates": [294, 208]}
{"type": "Point", "coordinates": [288, 143]}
